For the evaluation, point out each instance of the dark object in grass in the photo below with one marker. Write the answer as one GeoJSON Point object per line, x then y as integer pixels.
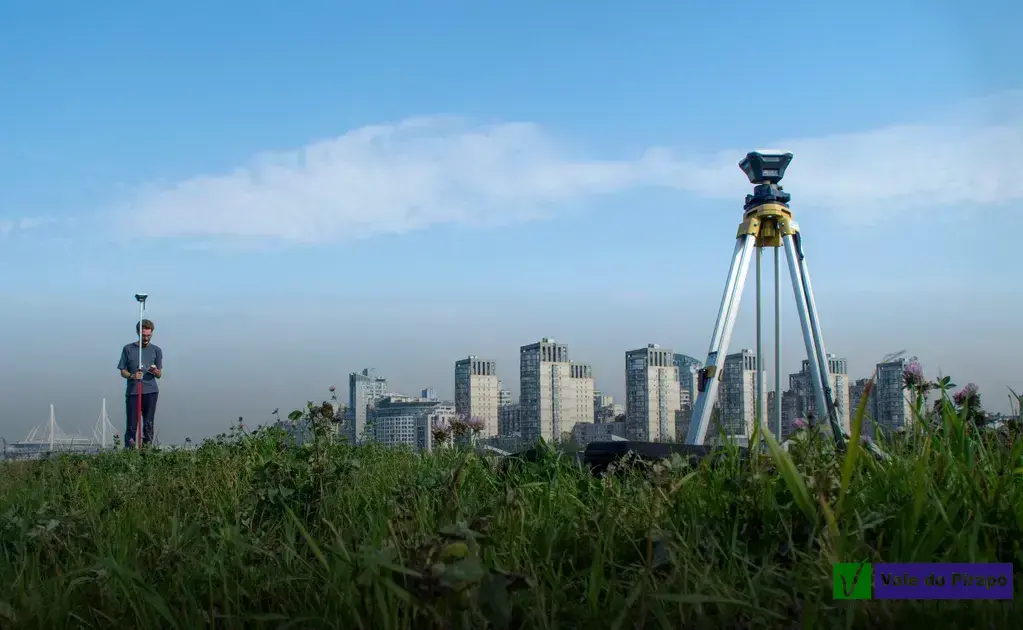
{"type": "Point", "coordinates": [533, 455]}
{"type": "Point", "coordinates": [599, 455]}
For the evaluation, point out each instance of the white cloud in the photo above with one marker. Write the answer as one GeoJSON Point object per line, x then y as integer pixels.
{"type": "Point", "coordinates": [13, 226]}
{"type": "Point", "coordinates": [429, 171]}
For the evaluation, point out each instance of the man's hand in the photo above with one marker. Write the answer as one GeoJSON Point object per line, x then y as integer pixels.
{"type": "Point", "coordinates": [138, 376]}
{"type": "Point", "coordinates": [155, 371]}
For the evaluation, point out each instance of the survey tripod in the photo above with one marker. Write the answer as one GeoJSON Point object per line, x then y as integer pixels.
{"type": "Point", "coordinates": [767, 222]}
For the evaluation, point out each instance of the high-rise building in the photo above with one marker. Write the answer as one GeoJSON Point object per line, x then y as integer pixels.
{"type": "Point", "coordinates": [509, 421]}
{"type": "Point", "coordinates": [504, 396]}
{"type": "Point", "coordinates": [790, 412]}
{"type": "Point", "coordinates": [801, 383]}
{"type": "Point", "coordinates": [856, 393]}
{"type": "Point", "coordinates": [477, 392]}
{"type": "Point", "coordinates": [429, 393]}
{"type": "Point", "coordinates": [651, 394]}
{"type": "Point", "coordinates": [893, 408]}
{"type": "Point", "coordinates": [555, 394]}
{"type": "Point", "coordinates": [688, 371]}
{"type": "Point", "coordinates": [364, 390]}
{"type": "Point", "coordinates": [603, 407]}
{"type": "Point", "coordinates": [737, 394]}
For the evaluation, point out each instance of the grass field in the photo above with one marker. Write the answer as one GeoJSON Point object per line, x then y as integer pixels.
{"type": "Point", "coordinates": [250, 532]}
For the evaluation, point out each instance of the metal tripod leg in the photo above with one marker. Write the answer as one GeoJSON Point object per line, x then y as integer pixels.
{"type": "Point", "coordinates": [727, 313]}
{"type": "Point", "coordinates": [818, 368]}
{"type": "Point", "coordinates": [761, 413]}
{"type": "Point", "coordinates": [777, 344]}
{"type": "Point", "coordinates": [818, 340]}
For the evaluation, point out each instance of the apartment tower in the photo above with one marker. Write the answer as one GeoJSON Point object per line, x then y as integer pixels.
{"type": "Point", "coordinates": [478, 392]}
{"type": "Point", "coordinates": [737, 395]}
{"type": "Point", "coordinates": [555, 394]}
{"type": "Point", "coordinates": [893, 408]}
{"type": "Point", "coordinates": [801, 383]}
{"type": "Point", "coordinates": [364, 390]}
{"type": "Point", "coordinates": [651, 394]}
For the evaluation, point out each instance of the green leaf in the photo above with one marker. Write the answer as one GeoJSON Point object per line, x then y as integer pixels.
{"type": "Point", "coordinates": [7, 612]}
{"type": "Point", "coordinates": [294, 415]}
{"type": "Point", "coordinates": [465, 570]}
{"type": "Point", "coordinates": [494, 601]}
{"type": "Point", "coordinates": [792, 478]}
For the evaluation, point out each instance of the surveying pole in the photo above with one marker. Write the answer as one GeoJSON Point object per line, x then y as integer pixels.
{"type": "Point", "coordinates": [767, 222]}
{"type": "Point", "coordinates": [141, 299]}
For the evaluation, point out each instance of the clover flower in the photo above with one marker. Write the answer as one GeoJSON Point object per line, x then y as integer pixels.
{"type": "Point", "coordinates": [913, 375]}
{"type": "Point", "coordinates": [964, 395]}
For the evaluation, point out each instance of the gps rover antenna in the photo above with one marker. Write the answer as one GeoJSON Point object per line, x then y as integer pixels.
{"type": "Point", "coordinates": [767, 222]}
{"type": "Point", "coordinates": [141, 298]}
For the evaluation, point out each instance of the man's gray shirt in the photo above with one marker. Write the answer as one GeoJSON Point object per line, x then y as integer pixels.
{"type": "Point", "coordinates": [151, 355]}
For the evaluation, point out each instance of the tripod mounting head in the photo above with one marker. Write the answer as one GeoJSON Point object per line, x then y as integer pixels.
{"type": "Point", "coordinates": [766, 167]}
{"type": "Point", "coordinates": [764, 170]}
{"type": "Point", "coordinates": [141, 297]}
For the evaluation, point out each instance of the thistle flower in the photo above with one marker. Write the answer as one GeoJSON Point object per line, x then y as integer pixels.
{"type": "Point", "coordinates": [459, 426]}
{"type": "Point", "coordinates": [333, 389]}
{"type": "Point", "coordinates": [441, 431]}
{"type": "Point", "coordinates": [798, 424]}
{"type": "Point", "coordinates": [913, 375]}
{"type": "Point", "coordinates": [965, 395]}
{"type": "Point", "coordinates": [474, 424]}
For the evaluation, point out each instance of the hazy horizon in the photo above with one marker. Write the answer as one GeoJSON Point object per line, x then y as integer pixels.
{"type": "Point", "coordinates": [306, 194]}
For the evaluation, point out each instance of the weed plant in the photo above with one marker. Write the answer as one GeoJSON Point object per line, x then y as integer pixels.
{"type": "Point", "coordinates": [252, 531]}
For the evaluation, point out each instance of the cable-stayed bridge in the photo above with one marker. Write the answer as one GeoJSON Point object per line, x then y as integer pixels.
{"type": "Point", "coordinates": [50, 438]}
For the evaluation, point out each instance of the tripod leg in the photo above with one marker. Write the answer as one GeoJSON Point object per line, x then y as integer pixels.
{"type": "Point", "coordinates": [818, 339]}
{"type": "Point", "coordinates": [760, 415]}
{"type": "Point", "coordinates": [727, 313]}
{"type": "Point", "coordinates": [777, 343]}
{"type": "Point", "coordinates": [726, 297]}
{"type": "Point", "coordinates": [799, 291]}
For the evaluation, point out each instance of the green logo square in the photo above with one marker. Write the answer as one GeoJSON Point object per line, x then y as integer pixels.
{"type": "Point", "coordinates": [853, 580]}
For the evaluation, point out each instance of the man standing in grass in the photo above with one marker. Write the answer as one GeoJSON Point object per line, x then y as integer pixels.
{"type": "Point", "coordinates": [152, 356]}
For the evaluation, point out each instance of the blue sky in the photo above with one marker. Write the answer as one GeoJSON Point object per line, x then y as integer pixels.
{"type": "Point", "coordinates": [308, 191]}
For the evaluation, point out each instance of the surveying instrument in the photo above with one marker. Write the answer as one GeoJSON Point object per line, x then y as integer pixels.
{"type": "Point", "coordinates": [141, 299]}
{"type": "Point", "coordinates": [767, 222]}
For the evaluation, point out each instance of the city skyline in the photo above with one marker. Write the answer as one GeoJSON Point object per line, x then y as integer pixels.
{"type": "Point", "coordinates": [560, 401]}
{"type": "Point", "coordinates": [307, 193]}
{"type": "Point", "coordinates": [367, 385]}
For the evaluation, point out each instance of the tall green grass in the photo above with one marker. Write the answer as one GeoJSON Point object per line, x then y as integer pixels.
{"type": "Point", "coordinates": [251, 532]}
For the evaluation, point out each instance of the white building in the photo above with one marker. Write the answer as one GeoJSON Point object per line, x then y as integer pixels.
{"type": "Point", "coordinates": [604, 408]}
{"type": "Point", "coordinates": [651, 394]}
{"type": "Point", "coordinates": [407, 420]}
{"type": "Point", "coordinates": [478, 392]}
{"type": "Point", "coordinates": [504, 396]}
{"type": "Point", "coordinates": [555, 394]}
{"type": "Point", "coordinates": [364, 390]}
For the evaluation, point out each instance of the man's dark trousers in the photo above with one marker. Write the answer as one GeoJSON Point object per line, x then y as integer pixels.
{"type": "Point", "coordinates": [131, 408]}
